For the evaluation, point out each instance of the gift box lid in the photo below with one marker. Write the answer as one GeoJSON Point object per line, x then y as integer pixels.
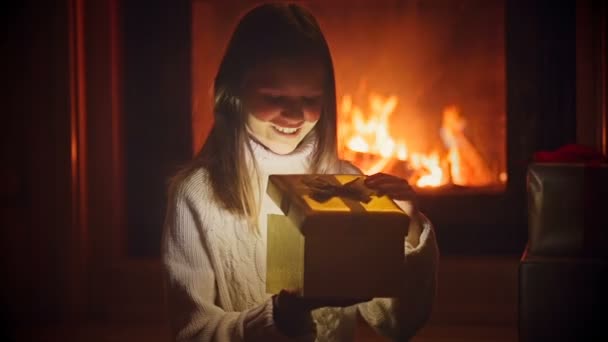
{"type": "Point", "coordinates": [575, 174]}
{"type": "Point", "coordinates": [306, 199]}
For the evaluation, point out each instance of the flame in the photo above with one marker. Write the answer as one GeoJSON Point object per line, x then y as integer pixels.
{"type": "Point", "coordinates": [433, 175]}
{"type": "Point", "coordinates": [467, 167]}
{"type": "Point", "coordinates": [401, 151]}
{"type": "Point", "coordinates": [365, 139]}
{"type": "Point", "coordinates": [358, 144]}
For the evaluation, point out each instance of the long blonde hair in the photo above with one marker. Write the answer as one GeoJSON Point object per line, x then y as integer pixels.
{"type": "Point", "coordinates": [269, 32]}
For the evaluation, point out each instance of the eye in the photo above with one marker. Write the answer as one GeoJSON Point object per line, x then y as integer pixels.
{"type": "Point", "coordinates": [274, 99]}
{"type": "Point", "coordinates": [311, 100]}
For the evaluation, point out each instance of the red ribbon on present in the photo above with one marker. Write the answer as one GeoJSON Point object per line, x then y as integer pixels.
{"type": "Point", "coordinates": [571, 153]}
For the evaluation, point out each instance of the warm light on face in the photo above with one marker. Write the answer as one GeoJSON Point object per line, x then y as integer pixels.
{"type": "Point", "coordinates": [284, 102]}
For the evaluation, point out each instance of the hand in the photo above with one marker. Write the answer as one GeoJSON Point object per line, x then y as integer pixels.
{"type": "Point", "coordinates": [293, 301]}
{"type": "Point", "coordinates": [400, 190]}
{"type": "Point", "coordinates": [394, 187]}
{"type": "Point", "coordinates": [291, 311]}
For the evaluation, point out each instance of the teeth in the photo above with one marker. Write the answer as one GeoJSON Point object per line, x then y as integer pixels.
{"type": "Point", "coordinates": [285, 129]}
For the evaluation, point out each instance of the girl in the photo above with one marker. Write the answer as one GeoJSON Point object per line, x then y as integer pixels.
{"type": "Point", "coordinates": [275, 112]}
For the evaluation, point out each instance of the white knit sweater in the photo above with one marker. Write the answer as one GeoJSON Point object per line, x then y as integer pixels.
{"type": "Point", "coordinates": [215, 269]}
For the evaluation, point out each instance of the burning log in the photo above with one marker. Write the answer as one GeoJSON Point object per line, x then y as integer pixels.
{"type": "Point", "coordinates": [467, 166]}
{"type": "Point", "coordinates": [367, 142]}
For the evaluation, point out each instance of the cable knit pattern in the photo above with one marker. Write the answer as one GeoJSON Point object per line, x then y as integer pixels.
{"type": "Point", "coordinates": [215, 268]}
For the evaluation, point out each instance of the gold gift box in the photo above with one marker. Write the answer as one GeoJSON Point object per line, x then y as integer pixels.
{"type": "Point", "coordinates": [333, 247]}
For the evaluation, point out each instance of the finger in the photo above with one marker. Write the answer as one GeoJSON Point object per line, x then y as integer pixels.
{"type": "Point", "coordinates": [291, 291]}
{"type": "Point", "coordinates": [391, 186]}
{"type": "Point", "coordinates": [386, 180]}
{"type": "Point", "coordinates": [395, 191]}
{"type": "Point", "coordinates": [349, 302]}
{"type": "Point", "coordinates": [378, 176]}
{"type": "Point", "coordinates": [382, 183]}
{"type": "Point", "coordinates": [386, 188]}
{"type": "Point", "coordinates": [315, 303]}
{"type": "Point", "coordinates": [398, 192]}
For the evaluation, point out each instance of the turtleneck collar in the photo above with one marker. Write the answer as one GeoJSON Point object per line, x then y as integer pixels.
{"type": "Point", "coordinates": [297, 161]}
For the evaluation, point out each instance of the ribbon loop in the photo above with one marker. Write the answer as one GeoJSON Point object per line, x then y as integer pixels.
{"type": "Point", "coordinates": [322, 189]}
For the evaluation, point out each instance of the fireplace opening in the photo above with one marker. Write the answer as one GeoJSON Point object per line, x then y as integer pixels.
{"type": "Point", "coordinates": [421, 90]}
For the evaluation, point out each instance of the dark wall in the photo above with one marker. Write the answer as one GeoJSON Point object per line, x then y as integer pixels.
{"type": "Point", "coordinates": [157, 112]}
{"type": "Point", "coordinates": [35, 159]}
{"type": "Point", "coordinates": [541, 69]}
{"type": "Point", "coordinates": [38, 242]}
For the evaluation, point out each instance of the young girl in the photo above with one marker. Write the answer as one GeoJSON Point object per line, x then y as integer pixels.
{"type": "Point", "coordinates": [275, 113]}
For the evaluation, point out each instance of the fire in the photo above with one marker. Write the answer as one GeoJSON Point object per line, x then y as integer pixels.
{"type": "Point", "coordinates": [434, 173]}
{"type": "Point", "coordinates": [365, 139]}
{"type": "Point", "coordinates": [467, 167]}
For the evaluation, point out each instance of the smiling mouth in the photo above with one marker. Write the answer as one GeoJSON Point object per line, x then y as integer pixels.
{"type": "Point", "coordinates": [286, 131]}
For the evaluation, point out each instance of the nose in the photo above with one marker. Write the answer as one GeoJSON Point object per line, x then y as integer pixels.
{"type": "Point", "coordinates": [293, 110]}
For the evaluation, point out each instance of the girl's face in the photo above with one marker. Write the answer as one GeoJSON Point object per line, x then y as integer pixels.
{"type": "Point", "coordinates": [283, 101]}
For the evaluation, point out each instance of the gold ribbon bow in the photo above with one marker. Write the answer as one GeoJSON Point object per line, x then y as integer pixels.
{"type": "Point", "coordinates": [324, 188]}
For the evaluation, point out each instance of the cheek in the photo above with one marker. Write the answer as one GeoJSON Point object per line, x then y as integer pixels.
{"type": "Point", "coordinates": [312, 115]}
{"type": "Point", "coordinates": [263, 113]}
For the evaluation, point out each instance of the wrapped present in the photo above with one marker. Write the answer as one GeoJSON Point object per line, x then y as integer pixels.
{"type": "Point", "coordinates": [567, 209]}
{"type": "Point", "coordinates": [335, 239]}
{"type": "Point", "coordinates": [562, 299]}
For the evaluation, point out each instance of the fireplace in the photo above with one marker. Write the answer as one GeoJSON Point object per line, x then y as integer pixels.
{"type": "Point", "coordinates": [453, 95]}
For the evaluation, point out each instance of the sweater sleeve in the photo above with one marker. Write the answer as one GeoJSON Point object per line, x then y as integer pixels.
{"type": "Point", "coordinates": [191, 290]}
{"type": "Point", "coordinates": [400, 318]}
